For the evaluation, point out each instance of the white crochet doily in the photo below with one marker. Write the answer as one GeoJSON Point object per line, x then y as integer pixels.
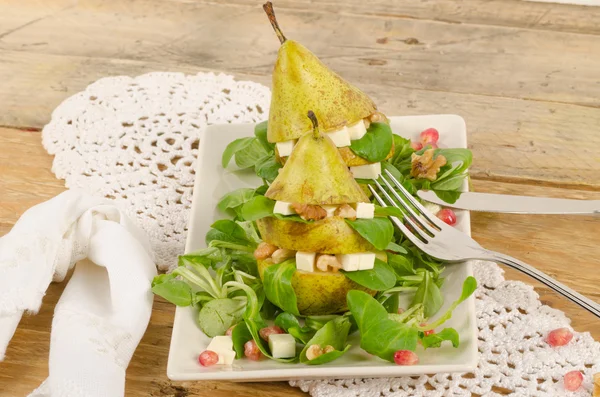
{"type": "Point", "coordinates": [136, 139]}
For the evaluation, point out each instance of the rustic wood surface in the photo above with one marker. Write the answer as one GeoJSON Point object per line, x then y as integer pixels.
{"type": "Point", "coordinates": [524, 75]}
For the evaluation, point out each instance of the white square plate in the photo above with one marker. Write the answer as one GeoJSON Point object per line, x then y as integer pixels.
{"type": "Point", "coordinates": [212, 182]}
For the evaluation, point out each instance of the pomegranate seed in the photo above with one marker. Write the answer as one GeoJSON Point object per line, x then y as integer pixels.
{"type": "Point", "coordinates": [230, 330]}
{"type": "Point", "coordinates": [428, 332]}
{"type": "Point", "coordinates": [273, 329]}
{"type": "Point", "coordinates": [400, 310]}
{"type": "Point", "coordinates": [405, 357]}
{"type": "Point", "coordinates": [430, 145]}
{"type": "Point", "coordinates": [430, 135]}
{"type": "Point", "coordinates": [252, 351]}
{"type": "Point", "coordinates": [416, 145]}
{"type": "Point", "coordinates": [559, 337]}
{"type": "Point", "coordinates": [208, 358]}
{"type": "Point", "coordinates": [448, 216]}
{"type": "Point", "coordinates": [573, 380]}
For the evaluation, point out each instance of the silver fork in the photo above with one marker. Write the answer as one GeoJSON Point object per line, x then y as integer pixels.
{"type": "Point", "coordinates": [444, 242]}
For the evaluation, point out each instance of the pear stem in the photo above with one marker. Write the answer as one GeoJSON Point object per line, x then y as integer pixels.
{"type": "Point", "coordinates": [315, 123]}
{"type": "Point", "coordinates": [268, 7]}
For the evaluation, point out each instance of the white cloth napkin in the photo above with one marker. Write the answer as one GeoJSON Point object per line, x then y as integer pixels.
{"type": "Point", "coordinates": [103, 311]}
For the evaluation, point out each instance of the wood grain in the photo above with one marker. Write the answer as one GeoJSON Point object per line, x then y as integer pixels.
{"type": "Point", "coordinates": [524, 76]}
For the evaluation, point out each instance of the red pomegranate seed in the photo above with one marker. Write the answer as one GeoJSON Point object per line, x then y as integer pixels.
{"type": "Point", "coordinates": [573, 380]}
{"type": "Point", "coordinates": [400, 310]}
{"type": "Point", "coordinates": [273, 329]}
{"type": "Point", "coordinates": [430, 135]}
{"type": "Point", "coordinates": [428, 332]}
{"type": "Point", "coordinates": [448, 216]}
{"type": "Point", "coordinates": [416, 145]}
{"type": "Point", "coordinates": [208, 358]}
{"type": "Point", "coordinates": [405, 357]}
{"type": "Point", "coordinates": [252, 351]}
{"type": "Point", "coordinates": [559, 337]}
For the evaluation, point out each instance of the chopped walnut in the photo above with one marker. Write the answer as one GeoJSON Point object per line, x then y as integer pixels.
{"type": "Point", "coordinates": [425, 166]}
{"type": "Point", "coordinates": [282, 254]}
{"type": "Point", "coordinates": [367, 123]}
{"type": "Point", "coordinates": [310, 212]}
{"type": "Point", "coordinates": [264, 250]}
{"type": "Point", "coordinates": [328, 349]}
{"type": "Point", "coordinates": [324, 262]}
{"type": "Point", "coordinates": [377, 117]}
{"type": "Point", "coordinates": [313, 351]}
{"type": "Point", "coordinates": [596, 385]}
{"type": "Point", "coordinates": [345, 211]}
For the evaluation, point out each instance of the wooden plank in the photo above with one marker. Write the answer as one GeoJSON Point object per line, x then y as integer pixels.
{"type": "Point", "coordinates": [509, 13]}
{"type": "Point", "coordinates": [461, 58]}
{"type": "Point", "coordinates": [544, 241]}
{"type": "Point", "coordinates": [512, 139]}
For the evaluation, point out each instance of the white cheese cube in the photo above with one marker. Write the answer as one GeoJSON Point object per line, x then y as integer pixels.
{"type": "Point", "coordinates": [366, 261]}
{"type": "Point", "coordinates": [283, 208]}
{"type": "Point", "coordinates": [330, 209]}
{"type": "Point", "coordinates": [365, 210]}
{"type": "Point", "coordinates": [357, 130]}
{"type": "Point", "coordinates": [223, 346]}
{"type": "Point", "coordinates": [350, 262]}
{"type": "Point", "coordinates": [341, 138]}
{"type": "Point", "coordinates": [226, 358]}
{"type": "Point", "coordinates": [305, 261]}
{"type": "Point", "coordinates": [282, 345]}
{"type": "Point", "coordinates": [285, 148]}
{"type": "Point", "coordinates": [369, 171]}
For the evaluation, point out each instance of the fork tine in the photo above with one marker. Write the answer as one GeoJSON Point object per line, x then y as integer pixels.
{"type": "Point", "coordinates": [424, 224]}
{"type": "Point", "coordinates": [406, 231]}
{"type": "Point", "coordinates": [422, 233]}
{"type": "Point", "coordinates": [428, 215]}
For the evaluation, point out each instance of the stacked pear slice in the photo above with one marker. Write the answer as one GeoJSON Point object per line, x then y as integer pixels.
{"type": "Point", "coordinates": [301, 82]}
{"type": "Point", "coordinates": [316, 176]}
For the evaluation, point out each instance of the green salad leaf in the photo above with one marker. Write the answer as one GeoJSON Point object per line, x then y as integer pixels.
{"type": "Point", "coordinates": [376, 144]}
{"type": "Point", "coordinates": [233, 148]}
{"type": "Point", "coordinates": [377, 231]}
{"type": "Point", "coordinates": [380, 278]}
{"type": "Point", "coordinates": [290, 324]}
{"type": "Point", "coordinates": [334, 333]}
{"type": "Point", "coordinates": [277, 281]}
{"type": "Point", "coordinates": [232, 200]}
{"type": "Point", "coordinates": [258, 207]}
{"type": "Point", "coordinates": [250, 154]}
{"type": "Point", "coordinates": [429, 295]}
{"type": "Point", "coordinates": [267, 168]}
{"type": "Point", "coordinates": [217, 315]}
{"type": "Point", "coordinates": [379, 335]}
{"type": "Point", "coordinates": [436, 339]}
{"type": "Point", "coordinates": [260, 132]}
{"type": "Point", "coordinates": [240, 335]}
{"type": "Point", "coordinates": [178, 292]}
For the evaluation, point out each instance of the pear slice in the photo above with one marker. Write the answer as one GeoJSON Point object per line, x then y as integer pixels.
{"type": "Point", "coordinates": [319, 292]}
{"type": "Point", "coordinates": [301, 82]}
{"type": "Point", "coordinates": [315, 173]}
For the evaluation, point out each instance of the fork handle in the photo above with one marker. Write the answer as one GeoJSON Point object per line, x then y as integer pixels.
{"type": "Point", "coordinates": [562, 289]}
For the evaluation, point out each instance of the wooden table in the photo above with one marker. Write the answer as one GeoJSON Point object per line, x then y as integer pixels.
{"type": "Point", "coordinates": [525, 76]}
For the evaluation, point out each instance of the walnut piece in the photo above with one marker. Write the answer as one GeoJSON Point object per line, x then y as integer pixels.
{"type": "Point", "coordinates": [324, 262]}
{"type": "Point", "coordinates": [596, 385]}
{"type": "Point", "coordinates": [313, 351]}
{"type": "Point", "coordinates": [345, 211]}
{"type": "Point", "coordinates": [264, 250]}
{"type": "Point", "coordinates": [425, 166]}
{"type": "Point", "coordinates": [310, 212]}
{"type": "Point", "coordinates": [282, 254]}
{"type": "Point", "coordinates": [328, 349]}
